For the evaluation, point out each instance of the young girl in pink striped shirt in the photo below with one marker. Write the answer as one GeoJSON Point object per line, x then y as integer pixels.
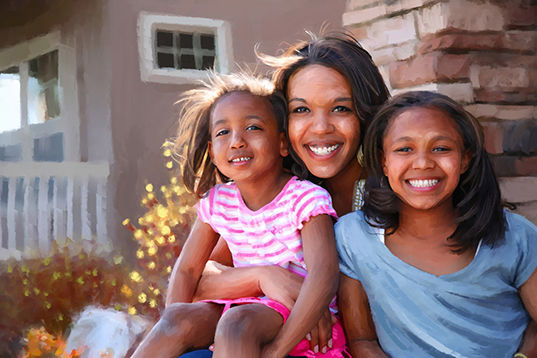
{"type": "Point", "coordinates": [232, 131]}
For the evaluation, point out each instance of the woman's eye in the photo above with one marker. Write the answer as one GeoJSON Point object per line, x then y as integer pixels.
{"type": "Point", "coordinates": [221, 132]}
{"type": "Point", "coordinates": [300, 110]}
{"type": "Point", "coordinates": [342, 109]}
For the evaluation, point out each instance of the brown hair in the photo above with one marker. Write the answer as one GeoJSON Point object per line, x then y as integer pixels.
{"type": "Point", "coordinates": [343, 53]}
{"type": "Point", "coordinates": [191, 148]}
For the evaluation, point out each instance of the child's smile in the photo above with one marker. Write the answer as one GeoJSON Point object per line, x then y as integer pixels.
{"type": "Point", "coordinates": [424, 157]}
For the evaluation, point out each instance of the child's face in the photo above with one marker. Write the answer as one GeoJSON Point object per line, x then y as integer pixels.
{"type": "Point", "coordinates": [424, 157]}
{"type": "Point", "coordinates": [246, 143]}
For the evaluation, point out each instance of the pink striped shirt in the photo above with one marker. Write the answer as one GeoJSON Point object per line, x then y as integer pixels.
{"type": "Point", "coordinates": [270, 235]}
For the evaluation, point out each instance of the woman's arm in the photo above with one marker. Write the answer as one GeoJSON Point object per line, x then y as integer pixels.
{"type": "Point", "coordinates": [357, 321]}
{"type": "Point", "coordinates": [318, 289]}
{"type": "Point", "coordinates": [188, 267]}
{"type": "Point", "coordinates": [528, 293]}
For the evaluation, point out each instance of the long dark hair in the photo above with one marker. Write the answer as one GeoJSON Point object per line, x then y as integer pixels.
{"type": "Point", "coordinates": [343, 53]}
{"type": "Point", "coordinates": [476, 199]}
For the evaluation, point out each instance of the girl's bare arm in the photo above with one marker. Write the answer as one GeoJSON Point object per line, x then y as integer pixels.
{"type": "Point", "coordinates": [318, 289]}
{"type": "Point", "coordinates": [528, 293]}
{"type": "Point", "coordinates": [357, 321]}
{"type": "Point", "coordinates": [189, 266]}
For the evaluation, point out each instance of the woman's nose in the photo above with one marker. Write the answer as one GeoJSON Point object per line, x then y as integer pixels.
{"type": "Point", "coordinates": [321, 123]}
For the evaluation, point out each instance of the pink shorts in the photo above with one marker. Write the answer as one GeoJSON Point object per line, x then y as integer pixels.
{"type": "Point", "coordinates": [303, 347]}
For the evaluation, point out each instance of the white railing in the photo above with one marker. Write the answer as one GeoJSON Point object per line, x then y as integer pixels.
{"type": "Point", "coordinates": [42, 202]}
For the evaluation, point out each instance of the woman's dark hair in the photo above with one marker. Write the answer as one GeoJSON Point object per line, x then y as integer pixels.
{"type": "Point", "coordinates": [476, 199]}
{"type": "Point", "coordinates": [343, 53]}
{"type": "Point", "coordinates": [191, 147]}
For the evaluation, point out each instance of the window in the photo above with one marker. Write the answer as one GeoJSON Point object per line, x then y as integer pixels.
{"type": "Point", "coordinates": [177, 49]}
{"type": "Point", "coordinates": [38, 123]}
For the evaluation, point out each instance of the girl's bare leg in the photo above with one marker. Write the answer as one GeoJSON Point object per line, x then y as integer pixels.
{"type": "Point", "coordinates": [243, 330]}
{"type": "Point", "coordinates": [181, 327]}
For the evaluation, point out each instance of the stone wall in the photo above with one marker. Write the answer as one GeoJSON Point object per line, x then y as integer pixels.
{"type": "Point", "coordinates": [481, 53]}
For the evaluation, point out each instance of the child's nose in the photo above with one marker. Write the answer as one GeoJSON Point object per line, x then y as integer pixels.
{"type": "Point", "coordinates": [422, 160]}
{"type": "Point", "coordinates": [237, 140]}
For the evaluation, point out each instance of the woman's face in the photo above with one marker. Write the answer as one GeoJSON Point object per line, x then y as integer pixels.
{"type": "Point", "coordinates": [324, 129]}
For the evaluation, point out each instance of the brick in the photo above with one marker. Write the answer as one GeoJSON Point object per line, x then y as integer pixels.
{"type": "Point", "coordinates": [499, 77]}
{"type": "Point", "coordinates": [493, 137]}
{"type": "Point", "coordinates": [431, 67]}
{"type": "Point", "coordinates": [360, 4]}
{"type": "Point", "coordinates": [508, 112]}
{"type": "Point", "coordinates": [461, 92]}
{"type": "Point", "coordinates": [394, 53]}
{"type": "Point", "coordinates": [519, 189]}
{"type": "Point", "coordinates": [518, 14]}
{"type": "Point", "coordinates": [405, 5]}
{"type": "Point", "coordinates": [392, 31]}
{"type": "Point", "coordinates": [528, 210]}
{"type": "Point", "coordinates": [359, 32]}
{"type": "Point", "coordinates": [520, 96]}
{"type": "Point", "coordinates": [460, 15]}
{"type": "Point", "coordinates": [520, 137]}
{"type": "Point", "coordinates": [453, 67]}
{"type": "Point", "coordinates": [509, 165]}
{"type": "Point", "coordinates": [363, 15]}
{"type": "Point", "coordinates": [410, 73]}
{"type": "Point", "coordinates": [520, 40]}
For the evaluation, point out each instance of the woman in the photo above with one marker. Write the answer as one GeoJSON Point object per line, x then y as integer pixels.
{"type": "Point", "coordinates": [333, 89]}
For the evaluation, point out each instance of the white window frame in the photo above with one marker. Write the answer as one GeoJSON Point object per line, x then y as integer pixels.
{"type": "Point", "coordinates": [68, 121]}
{"type": "Point", "coordinates": [148, 24]}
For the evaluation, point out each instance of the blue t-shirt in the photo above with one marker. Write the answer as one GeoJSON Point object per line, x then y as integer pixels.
{"type": "Point", "coordinates": [475, 312]}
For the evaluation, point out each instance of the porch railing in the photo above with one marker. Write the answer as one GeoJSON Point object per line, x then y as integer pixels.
{"type": "Point", "coordinates": [42, 202]}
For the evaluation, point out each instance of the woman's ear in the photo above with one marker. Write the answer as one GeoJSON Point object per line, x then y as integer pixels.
{"type": "Point", "coordinates": [284, 145]}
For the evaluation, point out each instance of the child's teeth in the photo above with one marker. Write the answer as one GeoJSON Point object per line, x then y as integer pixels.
{"type": "Point", "coordinates": [423, 183]}
{"type": "Point", "coordinates": [324, 150]}
{"type": "Point", "coordinates": [241, 159]}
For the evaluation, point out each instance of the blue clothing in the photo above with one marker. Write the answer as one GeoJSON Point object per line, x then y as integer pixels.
{"type": "Point", "coordinates": [475, 312]}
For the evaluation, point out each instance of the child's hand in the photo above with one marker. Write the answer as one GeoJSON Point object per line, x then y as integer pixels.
{"type": "Point", "coordinates": [320, 337]}
{"type": "Point", "coordinates": [279, 284]}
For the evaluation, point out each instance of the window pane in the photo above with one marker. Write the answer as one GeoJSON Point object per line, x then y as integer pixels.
{"type": "Point", "coordinates": [164, 39]}
{"type": "Point", "coordinates": [207, 41]}
{"type": "Point", "coordinates": [208, 62]}
{"type": "Point", "coordinates": [49, 149]}
{"type": "Point", "coordinates": [165, 60]}
{"type": "Point", "coordinates": [43, 99]}
{"type": "Point", "coordinates": [11, 153]}
{"type": "Point", "coordinates": [188, 61]}
{"type": "Point", "coordinates": [186, 40]}
{"type": "Point", "coordinates": [10, 99]}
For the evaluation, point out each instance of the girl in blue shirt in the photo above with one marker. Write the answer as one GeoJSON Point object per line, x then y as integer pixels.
{"type": "Point", "coordinates": [433, 266]}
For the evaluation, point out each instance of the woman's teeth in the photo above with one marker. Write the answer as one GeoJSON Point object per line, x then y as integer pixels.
{"type": "Point", "coordinates": [241, 159]}
{"type": "Point", "coordinates": [323, 150]}
{"type": "Point", "coordinates": [423, 183]}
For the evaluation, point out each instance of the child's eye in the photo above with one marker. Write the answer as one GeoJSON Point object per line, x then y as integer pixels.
{"type": "Point", "coordinates": [300, 110]}
{"type": "Point", "coordinates": [342, 109]}
{"type": "Point", "coordinates": [221, 132]}
{"type": "Point", "coordinates": [403, 149]}
{"type": "Point", "coordinates": [253, 128]}
{"type": "Point", "coordinates": [441, 149]}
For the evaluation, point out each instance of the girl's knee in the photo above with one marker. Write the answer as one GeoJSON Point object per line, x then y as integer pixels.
{"type": "Point", "coordinates": [176, 318]}
{"type": "Point", "coordinates": [235, 325]}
